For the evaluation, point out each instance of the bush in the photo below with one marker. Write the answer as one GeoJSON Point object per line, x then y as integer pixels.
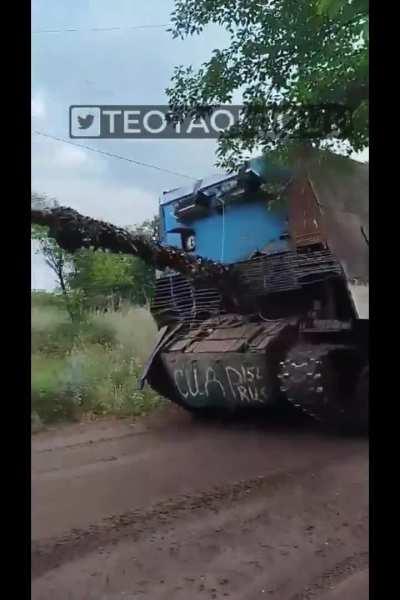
{"type": "Point", "coordinates": [47, 299]}
{"type": "Point", "coordinates": [133, 330]}
{"type": "Point", "coordinates": [48, 398]}
{"type": "Point", "coordinates": [92, 366]}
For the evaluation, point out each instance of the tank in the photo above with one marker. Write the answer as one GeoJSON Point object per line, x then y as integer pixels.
{"type": "Point", "coordinates": [292, 323]}
{"type": "Point", "coordinates": [262, 288]}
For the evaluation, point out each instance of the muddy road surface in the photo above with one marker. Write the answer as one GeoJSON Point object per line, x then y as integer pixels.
{"type": "Point", "coordinates": [170, 508]}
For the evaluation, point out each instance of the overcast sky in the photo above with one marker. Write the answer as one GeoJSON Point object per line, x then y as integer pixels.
{"type": "Point", "coordinates": [114, 67]}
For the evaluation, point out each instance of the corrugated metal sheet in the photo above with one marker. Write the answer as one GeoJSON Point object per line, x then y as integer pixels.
{"type": "Point", "coordinates": [305, 225]}
{"type": "Point", "coordinates": [347, 241]}
{"type": "Point", "coordinates": [341, 187]}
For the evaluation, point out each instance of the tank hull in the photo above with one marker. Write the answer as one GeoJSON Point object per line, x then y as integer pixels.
{"type": "Point", "coordinates": [225, 366]}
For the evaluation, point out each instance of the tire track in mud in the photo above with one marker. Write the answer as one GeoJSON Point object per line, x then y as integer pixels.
{"type": "Point", "coordinates": [47, 554]}
{"type": "Point", "coordinates": [296, 531]}
{"type": "Point", "coordinates": [340, 574]}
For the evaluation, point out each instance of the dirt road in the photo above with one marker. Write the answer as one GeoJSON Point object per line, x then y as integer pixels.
{"type": "Point", "coordinates": [174, 509]}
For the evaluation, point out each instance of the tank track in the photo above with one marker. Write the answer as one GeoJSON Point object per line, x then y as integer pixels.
{"type": "Point", "coordinates": [316, 384]}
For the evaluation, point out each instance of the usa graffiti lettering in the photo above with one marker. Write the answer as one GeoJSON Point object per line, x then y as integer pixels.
{"type": "Point", "coordinates": [244, 384]}
{"type": "Point", "coordinates": [190, 382]}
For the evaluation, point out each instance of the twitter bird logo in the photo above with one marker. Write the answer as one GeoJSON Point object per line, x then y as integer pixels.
{"type": "Point", "coordinates": [85, 122]}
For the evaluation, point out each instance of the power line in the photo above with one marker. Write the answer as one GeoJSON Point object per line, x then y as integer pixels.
{"type": "Point", "coordinates": [112, 155]}
{"type": "Point", "coordinates": [98, 29]}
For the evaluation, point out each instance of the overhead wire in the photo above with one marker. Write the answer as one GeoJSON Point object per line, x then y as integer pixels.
{"type": "Point", "coordinates": [99, 29]}
{"type": "Point", "coordinates": [114, 155]}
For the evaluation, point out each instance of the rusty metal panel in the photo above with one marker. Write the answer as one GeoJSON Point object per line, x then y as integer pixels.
{"type": "Point", "coordinates": [186, 339]}
{"type": "Point", "coordinates": [209, 345]}
{"type": "Point", "coordinates": [305, 224]}
{"type": "Point", "coordinates": [227, 339]}
{"type": "Point", "coordinates": [246, 332]}
{"type": "Point", "coordinates": [269, 333]}
{"type": "Point", "coordinates": [263, 343]}
{"type": "Point", "coordinates": [251, 336]}
{"type": "Point", "coordinates": [180, 345]}
{"type": "Point", "coordinates": [218, 336]}
{"type": "Point", "coordinates": [346, 239]}
{"type": "Point", "coordinates": [341, 187]}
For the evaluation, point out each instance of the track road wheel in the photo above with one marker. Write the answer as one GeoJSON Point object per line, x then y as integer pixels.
{"type": "Point", "coordinates": [323, 381]}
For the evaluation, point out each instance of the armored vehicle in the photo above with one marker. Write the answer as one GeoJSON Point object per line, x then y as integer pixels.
{"type": "Point", "coordinates": [288, 318]}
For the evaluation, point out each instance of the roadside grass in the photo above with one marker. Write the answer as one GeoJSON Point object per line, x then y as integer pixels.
{"type": "Point", "coordinates": [91, 367]}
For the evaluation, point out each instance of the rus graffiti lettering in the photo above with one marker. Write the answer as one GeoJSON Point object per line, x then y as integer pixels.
{"type": "Point", "coordinates": [245, 384]}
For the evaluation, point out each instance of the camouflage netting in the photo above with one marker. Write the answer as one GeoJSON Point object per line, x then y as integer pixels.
{"type": "Point", "coordinates": [73, 231]}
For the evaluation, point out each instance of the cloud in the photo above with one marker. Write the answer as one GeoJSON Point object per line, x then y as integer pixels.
{"type": "Point", "coordinates": [50, 156]}
{"type": "Point", "coordinates": [38, 106]}
{"type": "Point", "coordinates": [111, 201]}
{"type": "Point", "coordinates": [68, 156]}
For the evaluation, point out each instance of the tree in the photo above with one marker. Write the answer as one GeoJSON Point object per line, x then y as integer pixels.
{"type": "Point", "coordinates": [55, 257]}
{"type": "Point", "coordinates": [149, 228]}
{"type": "Point", "coordinates": [301, 66]}
{"type": "Point", "coordinates": [106, 279]}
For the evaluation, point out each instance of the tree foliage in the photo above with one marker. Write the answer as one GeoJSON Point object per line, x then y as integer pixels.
{"type": "Point", "coordinates": [90, 279]}
{"type": "Point", "coordinates": [103, 278]}
{"type": "Point", "coordinates": [300, 65]}
{"type": "Point", "coordinates": [55, 257]}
